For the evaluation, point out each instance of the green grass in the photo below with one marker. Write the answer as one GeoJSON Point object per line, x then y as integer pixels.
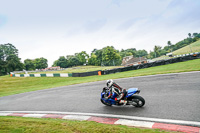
{"type": "Point", "coordinates": [80, 69]}
{"type": "Point", "coordinates": [14, 85]}
{"type": "Point", "coordinates": [35, 125]}
{"type": "Point", "coordinates": [195, 47]}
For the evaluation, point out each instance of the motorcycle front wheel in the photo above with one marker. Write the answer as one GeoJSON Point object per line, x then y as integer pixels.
{"type": "Point", "coordinates": [137, 101]}
{"type": "Point", "coordinates": [107, 104]}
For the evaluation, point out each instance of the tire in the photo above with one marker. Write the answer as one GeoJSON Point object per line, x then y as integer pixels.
{"type": "Point", "coordinates": [107, 104]}
{"type": "Point", "coordinates": [138, 101]}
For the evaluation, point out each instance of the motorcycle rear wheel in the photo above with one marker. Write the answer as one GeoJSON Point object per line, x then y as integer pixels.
{"type": "Point", "coordinates": [138, 101]}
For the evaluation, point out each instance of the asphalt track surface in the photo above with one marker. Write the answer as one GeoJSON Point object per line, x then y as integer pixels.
{"type": "Point", "coordinates": [170, 96]}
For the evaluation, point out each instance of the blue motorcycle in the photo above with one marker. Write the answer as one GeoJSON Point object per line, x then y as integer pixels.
{"type": "Point", "coordinates": [129, 96]}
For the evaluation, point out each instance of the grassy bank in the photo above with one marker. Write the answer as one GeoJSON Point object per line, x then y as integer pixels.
{"type": "Point", "coordinates": [194, 47]}
{"type": "Point", "coordinates": [34, 125]}
{"type": "Point", "coordinates": [80, 69]}
{"type": "Point", "coordinates": [15, 85]}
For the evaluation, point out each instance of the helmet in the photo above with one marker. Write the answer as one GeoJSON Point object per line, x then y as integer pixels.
{"type": "Point", "coordinates": [109, 83]}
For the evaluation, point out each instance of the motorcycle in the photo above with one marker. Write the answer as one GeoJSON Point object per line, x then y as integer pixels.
{"type": "Point", "coordinates": [129, 96]}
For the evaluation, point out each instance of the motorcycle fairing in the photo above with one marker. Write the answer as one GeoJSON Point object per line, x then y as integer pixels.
{"type": "Point", "coordinates": [131, 91]}
{"type": "Point", "coordinates": [110, 100]}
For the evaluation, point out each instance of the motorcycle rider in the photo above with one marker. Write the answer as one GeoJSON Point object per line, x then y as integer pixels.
{"type": "Point", "coordinates": [113, 87]}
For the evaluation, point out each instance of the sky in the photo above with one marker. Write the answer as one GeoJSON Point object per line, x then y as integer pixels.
{"type": "Point", "coordinates": [54, 28]}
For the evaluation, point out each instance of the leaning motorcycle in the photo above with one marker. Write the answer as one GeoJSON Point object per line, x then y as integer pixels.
{"type": "Point", "coordinates": [130, 96]}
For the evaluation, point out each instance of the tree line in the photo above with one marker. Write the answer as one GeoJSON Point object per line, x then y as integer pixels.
{"type": "Point", "coordinates": [38, 63]}
{"type": "Point", "coordinates": [159, 51]}
{"type": "Point", "coordinates": [107, 56]}
{"type": "Point", "coordinates": [9, 60]}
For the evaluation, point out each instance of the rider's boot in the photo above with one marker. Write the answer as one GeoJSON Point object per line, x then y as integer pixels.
{"type": "Point", "coordinates": [120, 97]}
{"type": "Point", "coordinates": [123, 101]}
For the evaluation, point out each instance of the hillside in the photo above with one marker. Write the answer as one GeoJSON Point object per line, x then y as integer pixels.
{"type": "Point", "coordinates": [192, 48]}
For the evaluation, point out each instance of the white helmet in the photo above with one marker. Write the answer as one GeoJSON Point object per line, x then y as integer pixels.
{"type": "Point", "coordinates": [109, 83]}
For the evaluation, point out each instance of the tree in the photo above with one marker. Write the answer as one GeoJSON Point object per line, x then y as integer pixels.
{"type": "Point", "coordinates": [132, 50]}
{"type": "Point", "coordinates": [73, 60]}
{"type": "Point", "coordinates": [128, 52]}
{"type": "Point", "coordinates": [9, 60]}
{"type": "Point", "coordinates": [107, 56]}
{"type": "Point", "coordinates": [82, 57]}
{"type": "Point", "coordinates": [151, 55]}
{"type": "Point", "coordinates": [62, 62]}
{"type": "Point", "coordinates": [124, 53]}
{"type": "Point", "coordinates": [14, 64]}
{"type": "Point", "coordinates": [169, 48]}
{"type": "Point", "coordinates": [40, 63]}
{"type": "Point", "coordinates": [110, 56]}
{"type": "Point", "coordinates": [169, 45]}
{"type": "Point", "coordinates": [7, 50]}
{"type": "Point", "coordinates": [189, 34]}
{"type": "Point", "coordinates": [29, 64]}
{"type": "Point", "coordinates": [157, 51]}
{"type": "Point", "coordinates": [141, 53]}
{"type": "Point", "coordinates": [96, 57]}
{"type": "Point", "coordinates": [55, 63]}
{"type": "Point", "coordinates": [195, 34]}
{"type": "Point", "coordinates": [92, 60]}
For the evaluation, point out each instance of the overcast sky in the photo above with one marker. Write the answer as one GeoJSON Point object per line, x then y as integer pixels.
{"type": "Point", "coordinates": [53, 28]}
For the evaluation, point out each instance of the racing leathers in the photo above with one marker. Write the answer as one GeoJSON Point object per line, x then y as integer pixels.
{"type": "Point", "coordinates": [113, 87]}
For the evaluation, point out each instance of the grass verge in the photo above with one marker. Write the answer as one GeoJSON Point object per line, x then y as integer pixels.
{"type": "Point", "coordinates": [194, 47]}
{"type": "Point", "coordinates": [80, 69]}
{"type": "Point", "coordinates": [15, 85]}
{"type": "Point", "coordinates": [35, 125]}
